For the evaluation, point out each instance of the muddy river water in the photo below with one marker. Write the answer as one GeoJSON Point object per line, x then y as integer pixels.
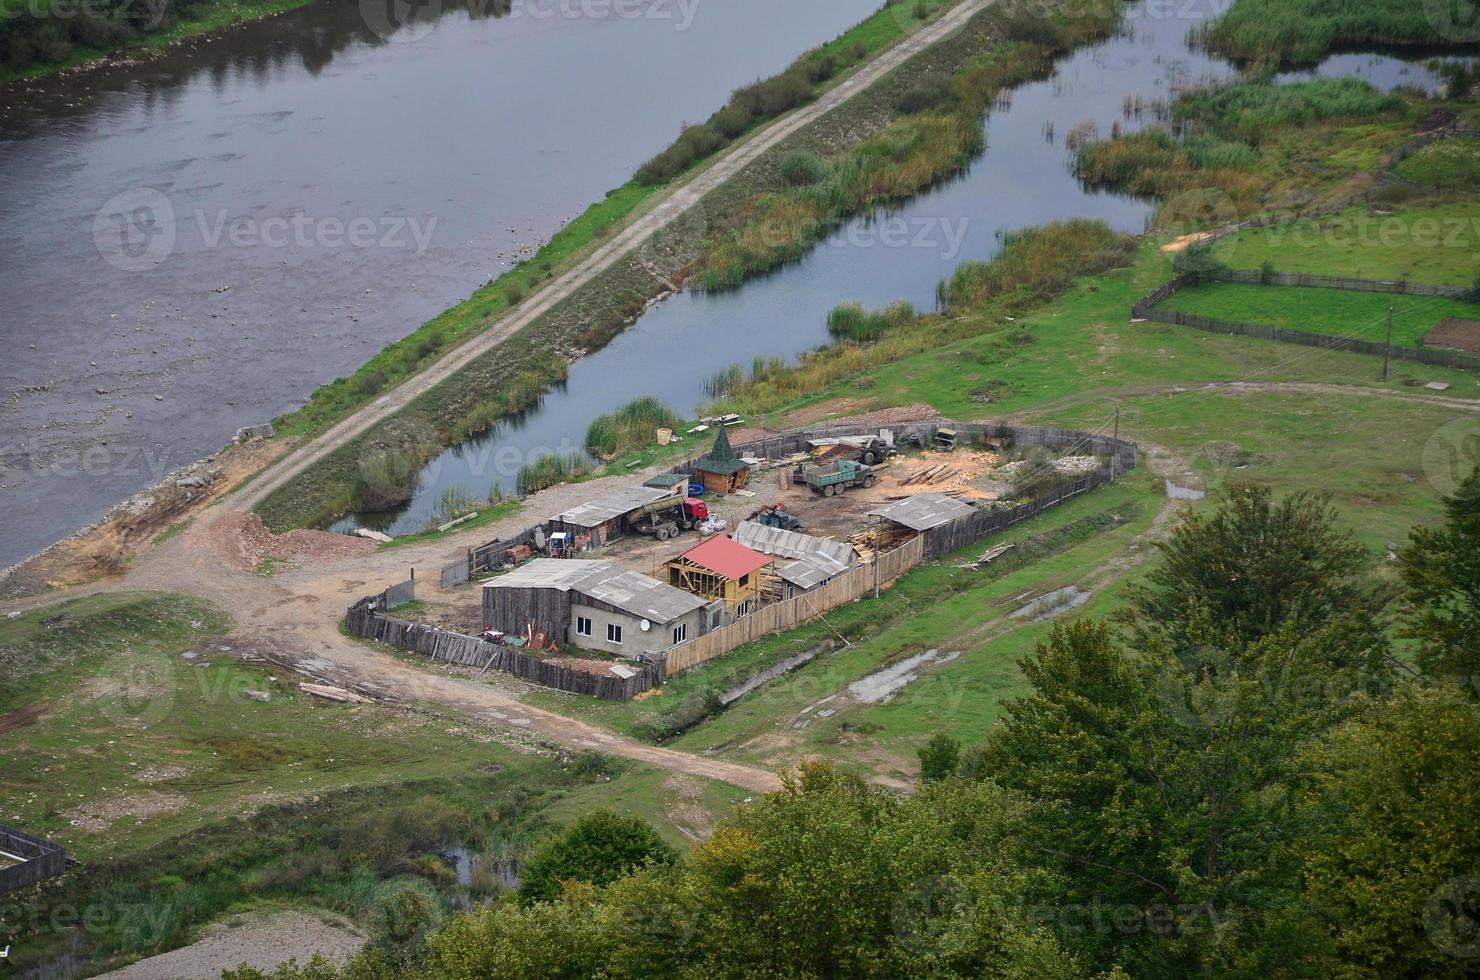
{"type": "Point", "coordinates": [195, 243]}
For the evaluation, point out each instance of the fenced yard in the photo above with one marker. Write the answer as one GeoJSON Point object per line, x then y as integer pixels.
{"type": "Point", "coordinates": [26, 859]}
{"type": "Point", "coordinates": [1317, 311]}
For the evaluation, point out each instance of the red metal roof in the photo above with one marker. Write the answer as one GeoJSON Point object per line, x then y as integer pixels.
{"type": "Point", "coordinates": [726, 557]}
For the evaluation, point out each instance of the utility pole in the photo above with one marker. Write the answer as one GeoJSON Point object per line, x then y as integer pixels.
{"type": "Point", "coordinates": [1387, 347]}
{"type": "Point", "coordinates": [1115, 451]}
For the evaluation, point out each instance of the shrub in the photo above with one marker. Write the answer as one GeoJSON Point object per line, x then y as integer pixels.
{"type": "Point", "coordinates": [800, 168]}
{"type": "Point", "coordinates": [633, 425]}
{"type": "Point", "coordinates": [931, 94]}
{"type": "Point", "coordinates": [939, 757]}
{"type": "Point", "coordinates": [514, 292]}
{"type": "Point", "coordinates": [598, 848]}
{"type": "Point", "coordinates": [692, 144]}
{"type": "Point", "coordinates": [400, 918]}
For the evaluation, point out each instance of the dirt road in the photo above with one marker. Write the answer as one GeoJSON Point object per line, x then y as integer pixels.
{"type": "Point", "coordinates": [670, 208]}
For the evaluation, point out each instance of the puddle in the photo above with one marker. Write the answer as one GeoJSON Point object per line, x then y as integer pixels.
{"type": "Point", "coordinates": [771, 673]}
{"type": "Point", "coordinates": [881, 686]}
{"type": "Point", "coordinates": [500, 872]}
{"type": "Point", "coordinates": [1053, 604]}
{"type": "Point", "coordinates": [1175, 492]}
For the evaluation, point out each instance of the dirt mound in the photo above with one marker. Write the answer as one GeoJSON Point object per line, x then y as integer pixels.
{"type": "Point", "coordinates": [244, 542]}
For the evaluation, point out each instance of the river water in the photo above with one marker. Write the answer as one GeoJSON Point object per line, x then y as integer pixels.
{"type": "Point", "coordinates": [195, 243]}
{"type": "Point", "coordinates": [1022, 179]}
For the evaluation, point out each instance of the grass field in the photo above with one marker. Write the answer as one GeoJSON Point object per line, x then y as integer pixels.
{"type": "Point", "coordinates": [1324, 311]}
{"type": "Point", "coordinates": [1434, 244]}
{"type": "Point", "coordinates": [1453, 162]}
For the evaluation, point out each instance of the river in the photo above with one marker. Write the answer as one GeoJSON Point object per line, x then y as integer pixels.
{"type": "Point", "coordinates": [196, 242]}
{"type": "Point", "coordinates": [1023, 178]}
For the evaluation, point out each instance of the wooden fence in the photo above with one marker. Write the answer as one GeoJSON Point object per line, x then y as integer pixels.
{"type": "Point", "coordinates": [1145, 309]}
{"type": "Point", "coordinates": [40, 859]}
{"type": "Point", "coordinates": [966, 531]}
{"type": "Point", "coordinates": [784, 615]}
{"type": "Point", "coordinates": [367, 619]}
{"type": "Point", "coordinates": [1255, 277]}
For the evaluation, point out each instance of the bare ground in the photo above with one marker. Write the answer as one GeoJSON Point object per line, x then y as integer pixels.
{"type": "Point", "coordinates": [257, 939]}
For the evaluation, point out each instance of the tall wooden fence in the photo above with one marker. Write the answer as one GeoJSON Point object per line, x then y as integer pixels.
{"type": "Point", "coordinates": [367, 619]}
{"type": "Point", "coordinates": [1256, 277]}
{"type": "Point", "coordinates": [967, 530]}
{"type": "Point", "coordinates": [40, 859]}
{"type": "Point", "coordinates": [784, 615]}
{"type": "Point", "coordinates": [1146, 308]}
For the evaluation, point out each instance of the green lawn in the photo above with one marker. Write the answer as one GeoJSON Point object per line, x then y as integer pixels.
{"type": "Point", "coordinates": [1439, 244]}
{"type": "Point", "coordinates": [1325, 311]}
{"type": "Point", "coordinates": [1452, 162]}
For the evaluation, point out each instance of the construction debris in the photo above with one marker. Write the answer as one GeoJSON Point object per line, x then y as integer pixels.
{"type": "Point", "coordinates": [331, 693]}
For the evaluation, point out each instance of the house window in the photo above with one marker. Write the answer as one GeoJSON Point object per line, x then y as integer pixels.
{"type": "Point", "coordinates": [613, 633]}
{"type": "Point", "coordinates": [680, 633]}
{"type": "Point", "coordinates": [583, 625]}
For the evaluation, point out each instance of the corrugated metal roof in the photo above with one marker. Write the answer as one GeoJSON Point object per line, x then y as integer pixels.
{"type": "Point", "coordinates": [725, 557]}
{"type": "Point", "coordinates": [792, 544]}
{"type": "Point", "coordinates": [924, 511]}
{"type": "Point", "coordinates": [811, 571]}
{"type": "Point", "coordinates": [594, 513]}
{"type": "Point", "coordinates": [605, 581]}
{"type": "Point", "coordinates": [641, 595]}
{"type": "Point", "coordinates": [551, 573]}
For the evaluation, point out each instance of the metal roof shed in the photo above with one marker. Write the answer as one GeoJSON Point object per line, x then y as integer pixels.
{"type": "Point", "coordinates": [924, 511]}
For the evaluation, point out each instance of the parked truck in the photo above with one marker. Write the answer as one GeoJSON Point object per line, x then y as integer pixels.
{"type": "Point", "coordinates": [666, 517]}
{"type": "Point", "coordinates": [837, 477]}
{"type": "Point", "coordinates": [776, 515]}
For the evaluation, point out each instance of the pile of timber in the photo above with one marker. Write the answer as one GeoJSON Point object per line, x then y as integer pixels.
{"type": "Point", "coordinates": [930, 474]}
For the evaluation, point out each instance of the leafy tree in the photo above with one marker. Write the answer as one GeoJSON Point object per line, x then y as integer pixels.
{"type": "Point", "coordinates": [1198, 260]}
{"type": "Point", "coordinates": [939, 757]}
{"type": "Point", "coordinates": [403, 913]}
{"type": "Point", "coordinates": [1440, 570]}
{"type": "Point", "coordinates": [1158, 798]}
{"type": "Point", "coordinates": [598, 848]}
{"type": "Point", "coordinates": [1252, 569]}
{"type": "Point", "coordinates": [1391, 850]}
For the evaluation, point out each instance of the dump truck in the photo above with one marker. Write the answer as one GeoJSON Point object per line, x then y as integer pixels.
{"type": "Point", "coordinates": [776, 516]}
{"type": "Point", "coordinates": [842, 474]}
{"type": "Point", "coordinates": [666, 517]}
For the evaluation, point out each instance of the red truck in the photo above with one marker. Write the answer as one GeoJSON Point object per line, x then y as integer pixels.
{"type": "Point", "coordinates": [665, 518]}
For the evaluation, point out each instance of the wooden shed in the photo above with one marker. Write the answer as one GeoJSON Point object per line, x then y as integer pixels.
{"type": "Point", "coordinates": [720, 569]}
{"type": "Point", "coordinates": [721, 471]}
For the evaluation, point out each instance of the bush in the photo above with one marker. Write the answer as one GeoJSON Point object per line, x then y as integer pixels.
{"type": "Point", "coordinates": [1199, 261]}
{"type": "Point", "coordinates": [632, 426]}
{"type": "Point", "coordinates": [514, 292]}
{"type": "Point", "coordinates": [939, 757]}
{"type": "Point", "coordinates": [932, 94]}
{"type": "Point", "coordinates": [800, 168]}
{"type": "Point", "coordinates": [694, 143]}
{"type": "Point", "coordinates": [1037, 264]}
{"type": "Point", "coordinates": [598, 848]}
{"type": "Point", "coordinates": [400, 918]}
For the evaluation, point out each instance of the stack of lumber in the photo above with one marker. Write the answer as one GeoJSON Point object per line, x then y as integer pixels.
{"type": "Point", "coordinates": [930, 474]}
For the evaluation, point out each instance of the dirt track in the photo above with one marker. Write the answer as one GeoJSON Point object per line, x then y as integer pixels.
{"type": "Point", "coordinates": [670, 208]}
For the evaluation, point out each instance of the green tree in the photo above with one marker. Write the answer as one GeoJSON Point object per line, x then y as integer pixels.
{"type": "Point", "coordinates": [1160, 800]}
{"type": "Point", "coordinates": [939, 757]}
{"type": "Point", "coordinates": [1391, 855]}
{"type": "Point", "coordinates": [1440, 570]}
{"type": "Point", "coordinates": [1256, 567]}
{"type": "Point", "coordinates": [598, 848]}
{"type": "Point", "coordinates": [1198, 260]}
{"type": "Point", "coordinates": [402, 915]}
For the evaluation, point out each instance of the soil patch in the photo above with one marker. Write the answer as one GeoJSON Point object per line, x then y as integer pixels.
{"type": "Point", "coordinates": [243, 542]}
{"type": "Point", "coordinates": [1456, 334]}
{"type": "Point", "coordinates": [96, 816]}
{"type": "Point", "coordinates": [261, 941]}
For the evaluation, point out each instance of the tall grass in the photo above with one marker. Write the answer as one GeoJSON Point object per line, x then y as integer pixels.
{"type": "Point", "coordinates": [1302, 31]}
{"type": "Point", "coordinates": [547, 471]}
{"type": "Point", "coordinates": [1036, 264]}
{"type": "Point", "coordinates": [633, 425]}
{"type": "Point", "coordinates": [851, 322]}
{"type": "Point", "coordinates": [1247, 111]}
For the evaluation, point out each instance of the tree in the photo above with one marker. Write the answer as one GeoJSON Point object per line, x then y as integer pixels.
{"type": "Point", "coordinates": [939, 757]}
{"type": "Point", "coordinates": [1440, 570]}
{"type": "Point", "coordinates": [1159, 801]}
{"type": "Point", "coordinates": [598, 848]}
{"type": "Point", "coordinates": [402, 915]}
{"type": "Point", "coordinates": [1252, 569]}
{"type": "Point", "coordinates": [1391, 851]}
{"type": "Point", "coordinates": [1198, 260]}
